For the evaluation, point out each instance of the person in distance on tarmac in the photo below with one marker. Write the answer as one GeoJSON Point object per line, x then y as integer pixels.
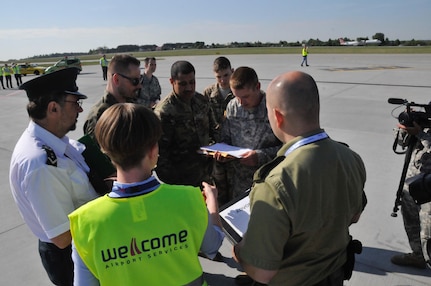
{"type": "Point", "coordinates": [104, 64]}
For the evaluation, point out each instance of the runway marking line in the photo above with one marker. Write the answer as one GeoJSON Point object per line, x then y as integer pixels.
{"type": "Point", "coordinates": [367, 68]}
{"type": "Point", "coordinates": [12, 93]}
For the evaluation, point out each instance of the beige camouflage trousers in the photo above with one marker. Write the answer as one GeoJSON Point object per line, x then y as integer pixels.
{"type": "Point", "coordinates": [425, 221]}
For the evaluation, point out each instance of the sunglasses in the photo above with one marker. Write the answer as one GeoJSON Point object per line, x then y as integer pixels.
{"type": "Point", "coordinates": [134, 81]}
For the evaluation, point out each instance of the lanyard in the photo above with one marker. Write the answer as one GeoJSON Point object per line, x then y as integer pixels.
{"type": "Point", "coordinates": [130, 190]}
{"type": "Point", "coordinates": [307, 140]}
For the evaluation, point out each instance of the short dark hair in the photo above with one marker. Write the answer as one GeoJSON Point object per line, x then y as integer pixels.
{"type": "Point", "coordinates": [181, 67]}
{"type": "Point", "coordinates": [148, 59]}
{"type": "Point", "coordinates": [126, 132]}
{"type": "Point", "coordinates": [243, 77]}
{"type": "Point", "coordinates": [121, 63]}
{"type": "Point", "coordinates": [221, 63]}
{"type": "Point", "coordinates": [38, 106]}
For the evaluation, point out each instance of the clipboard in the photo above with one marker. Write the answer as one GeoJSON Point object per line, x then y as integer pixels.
{"type": "Point", "coordinates": [235, 216]}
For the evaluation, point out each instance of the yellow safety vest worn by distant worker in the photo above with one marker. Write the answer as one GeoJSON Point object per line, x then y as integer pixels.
{"type": "Point", "coordinates": [16, 70]}
{"type": "Point", "coordinates": [151, 239]}
{"type": "Point", "coordinates": [304, 52]}
{"type": "Point", "coordinates": [7, 71]}
{"type": "Point", "coordinates": [103, 62]}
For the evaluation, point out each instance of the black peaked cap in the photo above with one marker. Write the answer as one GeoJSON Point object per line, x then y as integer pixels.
{"type": "Point", "coordinates": [63, 80]}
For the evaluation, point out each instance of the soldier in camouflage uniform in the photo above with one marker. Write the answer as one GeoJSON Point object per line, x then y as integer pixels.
{"type": "Point", "coordinates": [247, 125]}
{"type": "Point", "coordinates": [123, 85]}
{"type": "Point", "coordinates": [219, 94]}
{"type": "Point", "coordinates": [187, 124]}
{"type": "Point", "coordinates": [417, 219]}
{"type": "Point", "coordinates": [151, 90]}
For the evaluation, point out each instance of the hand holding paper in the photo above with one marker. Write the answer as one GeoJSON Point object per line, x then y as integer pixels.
{"type": "Point", "coordinates": [225, 150]}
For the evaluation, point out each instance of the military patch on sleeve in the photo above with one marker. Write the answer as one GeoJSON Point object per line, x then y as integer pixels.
{"type": "Point", "coordinates": [51, 158]}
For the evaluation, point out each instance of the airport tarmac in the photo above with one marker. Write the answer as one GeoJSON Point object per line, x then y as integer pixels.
{"type": "Point", "coordinates": [354, 90]}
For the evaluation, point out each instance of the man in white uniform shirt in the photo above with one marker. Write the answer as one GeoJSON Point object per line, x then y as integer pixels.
{"type": "Point", "coordinates": [48, 174]}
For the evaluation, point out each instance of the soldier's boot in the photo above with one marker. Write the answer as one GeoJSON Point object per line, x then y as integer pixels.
{"type": "Point", "coordinates": [409, 259]}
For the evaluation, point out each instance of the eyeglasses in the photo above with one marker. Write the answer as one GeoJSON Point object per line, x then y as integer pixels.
{"type": "Point", "coordinates": [134, 81]}
{"type": "Point", "coordinates": [78, 103]}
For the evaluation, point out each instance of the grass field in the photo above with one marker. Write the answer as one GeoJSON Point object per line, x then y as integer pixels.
{"type": "Point", "coordinates": [94, 59]}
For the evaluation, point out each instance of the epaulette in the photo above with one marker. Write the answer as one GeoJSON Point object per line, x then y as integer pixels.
{"type": "Point", "coordinates": [51, 158]}
{"type": "Point", "coordinates": [263, 171]}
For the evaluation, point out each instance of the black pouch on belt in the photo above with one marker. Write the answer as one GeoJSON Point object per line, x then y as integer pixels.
{"type": "Point", "coordinates": [354, 247]}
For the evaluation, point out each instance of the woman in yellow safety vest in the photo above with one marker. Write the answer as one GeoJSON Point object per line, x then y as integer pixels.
{"type": "Point", "coordinates": [144, 232]}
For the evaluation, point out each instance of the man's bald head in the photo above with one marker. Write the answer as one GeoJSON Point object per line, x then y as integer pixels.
{"type": "Point", "coordinates": [296, 97]}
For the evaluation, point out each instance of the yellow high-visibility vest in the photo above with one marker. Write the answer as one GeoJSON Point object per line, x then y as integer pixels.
{"type": "Point", "coordinates": [150, 239]}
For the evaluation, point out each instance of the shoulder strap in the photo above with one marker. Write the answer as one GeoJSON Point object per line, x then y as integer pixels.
{"type": "Point", "coordinates": [342, 143]}
{"type": "Point", "coordinates": [263, 171]}
{"type": "Point", "coordinates": [51, 158]}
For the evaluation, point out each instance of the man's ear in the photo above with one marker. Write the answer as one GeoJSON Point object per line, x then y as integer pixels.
{"type": "Point", "coordinates": [279, 117]}
{"type": "Point", "coordinates": [258, 85]}
{"type": "Point", "coordinates": [115, 79]}
{"type": "Point", "coordinates": [53, 107]}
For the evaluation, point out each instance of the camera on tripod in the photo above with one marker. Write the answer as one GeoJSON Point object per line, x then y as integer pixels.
{"type": "Point", "coordinates": [419, 188]}
{"type": "Point", "coordinates": [421, 117]}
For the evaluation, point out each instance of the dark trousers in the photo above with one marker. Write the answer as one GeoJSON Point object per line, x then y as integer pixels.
{"type": "Point", "coordinates": [105, 73]}
{"type": "Point", "coordinates": [57, 263]}
{"type": "Point", "coordinates": [8, 81]}
{"type": "Point", "coordinates": [18, 79]}
{"type": "Point", "coordinates": [1, 80]}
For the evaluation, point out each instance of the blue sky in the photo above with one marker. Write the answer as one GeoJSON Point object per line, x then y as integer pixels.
{"type": "Point", "coordinates": [41, 27]}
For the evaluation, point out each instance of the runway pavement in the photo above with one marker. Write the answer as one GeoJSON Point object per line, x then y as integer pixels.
{"type": "Point", "coordinates": [354, 90]}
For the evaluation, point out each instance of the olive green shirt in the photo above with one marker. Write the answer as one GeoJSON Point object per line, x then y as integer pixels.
{"type": "Point", "coordinates": [301, 212]}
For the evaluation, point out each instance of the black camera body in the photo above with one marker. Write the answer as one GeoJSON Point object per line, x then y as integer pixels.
{"type": "Point", "coordinates": [407, 117]}
{"type": "Point", "coordinates": [422, 118]}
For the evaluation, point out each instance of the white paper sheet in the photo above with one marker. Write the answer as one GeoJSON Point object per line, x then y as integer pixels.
{"type": "Point", "coordinates": [223, 148]}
